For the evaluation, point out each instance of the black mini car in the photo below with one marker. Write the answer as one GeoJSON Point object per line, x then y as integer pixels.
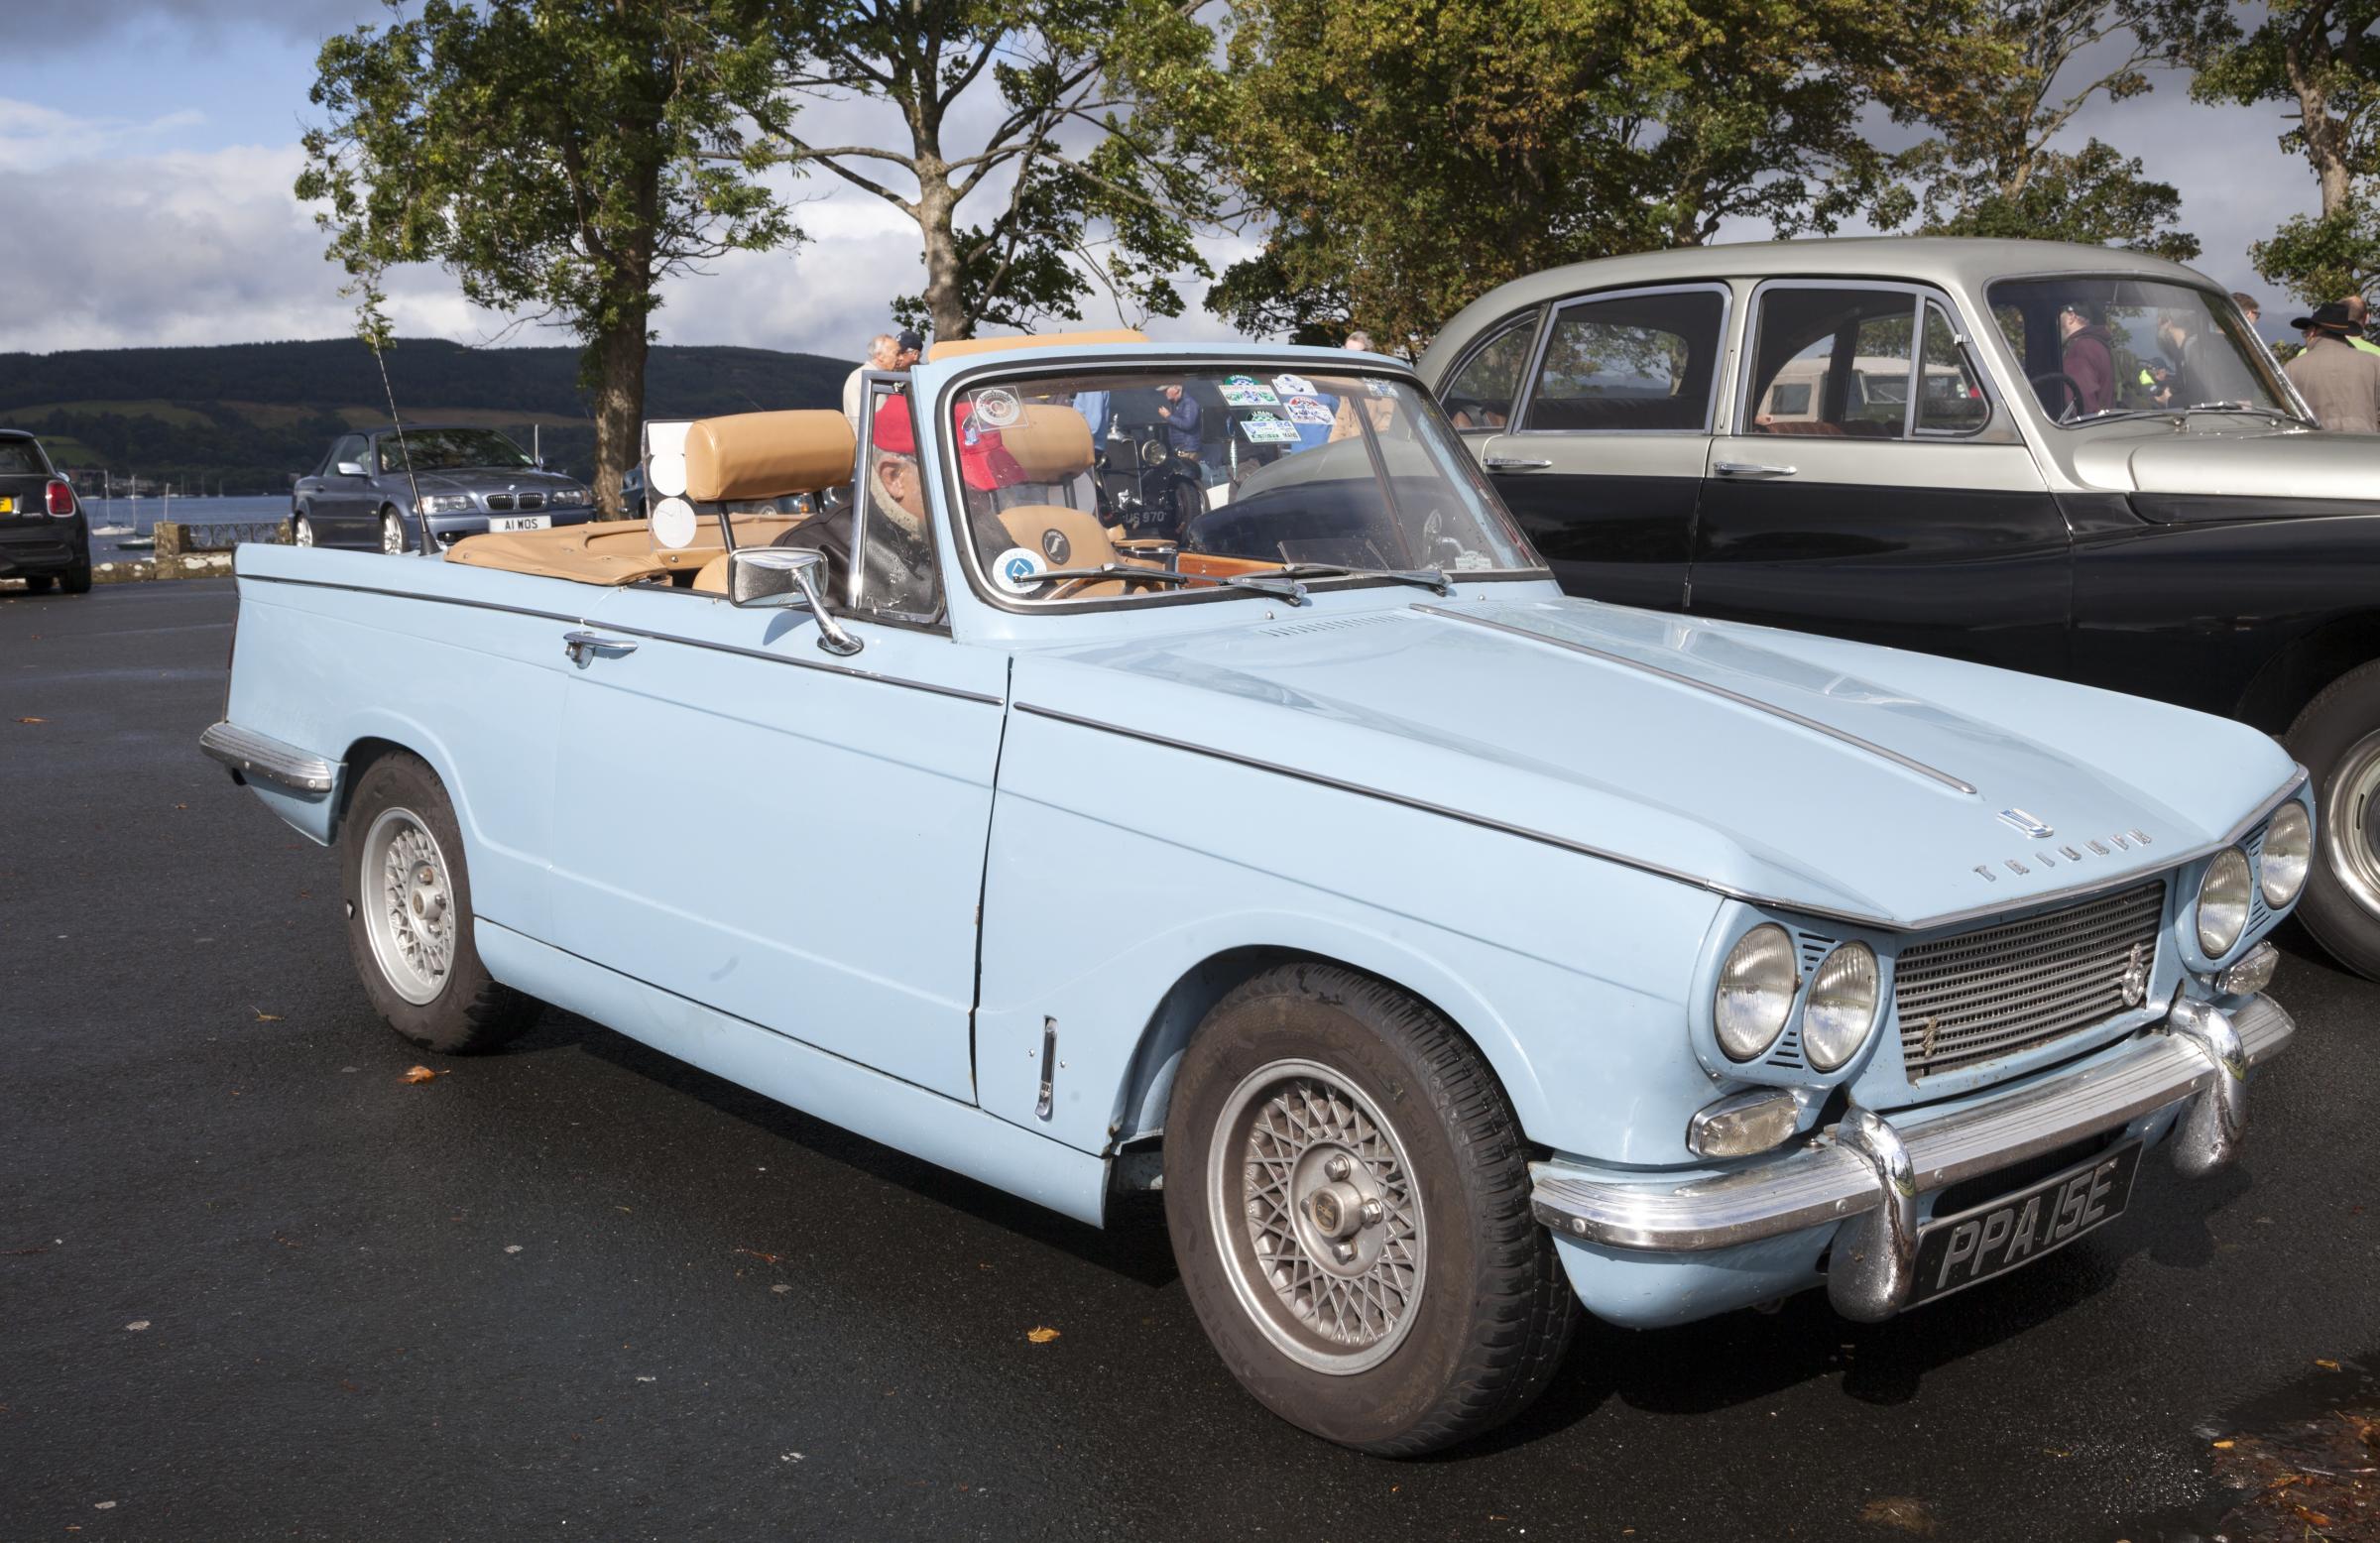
{"type": "Point", "coordinates": [43, 538]}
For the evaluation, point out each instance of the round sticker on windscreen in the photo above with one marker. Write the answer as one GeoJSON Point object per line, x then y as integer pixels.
{"type": "Point", "coordinates": [674, 522]}
{"type": "Point", "coordinates": [996, 408]}
{"type": "Point", "coordinates": [1018, 571]}
{"type": "Point", "coordinates": [668, 473]}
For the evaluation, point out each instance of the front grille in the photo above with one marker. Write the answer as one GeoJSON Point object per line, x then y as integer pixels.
{"type": "Point", "coordinates": [533, 501]}
{"type": "Point", "coordinates": [500, 501]}
{"type": "Point", "coordinates": [2009, 988]}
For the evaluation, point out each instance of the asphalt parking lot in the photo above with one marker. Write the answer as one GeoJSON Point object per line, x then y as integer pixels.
{"type": "Point", "coordinates": [255, 1285]}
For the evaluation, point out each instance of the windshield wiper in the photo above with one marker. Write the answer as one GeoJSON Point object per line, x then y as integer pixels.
{"type": "Point", "coordinates": [1285, 589]}
{"type": "Point", "coordinates": [1432, 579]}
{"type": "Point", "coordinates": [2251, 410]}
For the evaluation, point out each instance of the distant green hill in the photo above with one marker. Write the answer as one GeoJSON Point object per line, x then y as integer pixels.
{"type": "Point", "coordinates": [239, 418]}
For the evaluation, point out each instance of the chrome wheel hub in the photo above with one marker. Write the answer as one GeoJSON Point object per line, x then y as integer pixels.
{"type": "Point", "coordinates": [1317, 1217]}
{"type": "Point", "coordinates": [391, 536]}
{"type": "Point", "coordinates": [409, 906]}
{"type": "Point", "coordinates": [2350, 822]}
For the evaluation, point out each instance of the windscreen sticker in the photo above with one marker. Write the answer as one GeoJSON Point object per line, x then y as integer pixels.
{"type": "Point", "coordinates": [997, 408]}
{"type": "Point", "coordinates": [1246, 390]}
{"type": "Point", "coordinates": [1019, 571]}
{"type": "Point", "coordinates": [1309, 410]}
{"type": "Point", "coordinates": [1378, 387]}
{"type": "Point", "coordinates": [1293, 386]}
{"type": "Point", "coordinates": [1264, 428]}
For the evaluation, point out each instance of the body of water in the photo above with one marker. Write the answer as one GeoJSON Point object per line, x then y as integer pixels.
{"type": "Point", "coordinates": [118, 520]}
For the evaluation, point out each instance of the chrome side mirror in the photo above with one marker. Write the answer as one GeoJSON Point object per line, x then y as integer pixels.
{"type": "Point", "coordinates": [350, 468]}
{"type": "Point", "coordinates": [764, 577]}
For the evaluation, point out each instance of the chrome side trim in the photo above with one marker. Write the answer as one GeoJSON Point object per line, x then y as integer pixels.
{"type": "Point", "coordinates": [1841, 736]}
{"type": "Point", "coordinates": [269, 760]}
{"type": "Point", "coordinates": [1831, 1180]}
{"type": "Point", "coordinates": [692, 643]}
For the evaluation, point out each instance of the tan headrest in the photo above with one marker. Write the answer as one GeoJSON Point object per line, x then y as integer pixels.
{"type": "Point", "coordinates": [767, 454]}
{"type": "Point", "coordinates": [960, 347]}
{"type": "Point", "coordinates": [1049, 444]}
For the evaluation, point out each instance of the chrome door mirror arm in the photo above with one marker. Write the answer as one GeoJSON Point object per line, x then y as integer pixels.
{"type": "Point", "coordinates": [757, 577]}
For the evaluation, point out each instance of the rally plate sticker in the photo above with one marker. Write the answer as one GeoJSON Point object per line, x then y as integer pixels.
{"type": "Point", "coordinates": [2002, 1235]}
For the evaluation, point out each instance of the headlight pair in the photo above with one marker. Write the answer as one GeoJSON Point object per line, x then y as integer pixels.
{"type": "Point", "coordinates": [445, 502]}
{"type": "Point", "coordinates": [2228, 885]}
{"type": "Point", "coordinates": [1760, 979]}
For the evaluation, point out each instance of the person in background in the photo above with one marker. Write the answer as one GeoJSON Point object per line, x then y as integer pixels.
{"type": "Point", "coordinates": [2338, 382]}
{"type": "Point", "coordinates": [2247, 308]}
{"type": "Point", "coordinates": [883, 353]}
{"type": "Point", "coordinates": [911, 347]}
{"type": "Point", "coordinates": [2175, 338]}
{"type": "Point", "coordinates": [1183, 436]}
{"type": "Point", "coordinates": [1358, 342]}
{"type": "Point", "coordinates": [2088, 359]}
{"type": "Point", "coordinates": [2359, 317]}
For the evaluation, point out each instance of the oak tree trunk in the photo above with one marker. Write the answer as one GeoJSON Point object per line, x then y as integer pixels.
{"type": "Point", "coordinates": [617, 354]}
{"type": "Point", "coordinates": [945, 298]}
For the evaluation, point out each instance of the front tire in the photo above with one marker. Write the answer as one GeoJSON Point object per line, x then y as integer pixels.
{"type": "Point", "coordinates": [408, 915]}
{"type": "Point", "coordinates": [392, 533]}
{"type": "Point", "coordinates": [1349, 1199]}
{"type": "Point", "coordinates": [2338, 740]}
{"type": "Point", "coordinates": [301, 532]}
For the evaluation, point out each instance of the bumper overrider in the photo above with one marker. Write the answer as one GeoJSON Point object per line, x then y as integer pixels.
{"type": "Point", "coordinates": [1869, 1175]}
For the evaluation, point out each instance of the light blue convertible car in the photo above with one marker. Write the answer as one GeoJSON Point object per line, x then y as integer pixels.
{"type": "Point", "coordinates": [1449, 951]}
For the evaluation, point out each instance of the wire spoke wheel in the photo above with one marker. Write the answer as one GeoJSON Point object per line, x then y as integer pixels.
{"type": "Point", "coordinates": [409, 906]}
{"type": "Point", "coordinates": [1317, 1217]}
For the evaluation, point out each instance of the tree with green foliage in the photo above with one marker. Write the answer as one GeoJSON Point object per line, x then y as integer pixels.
{"type": "Point", "coordinates": [561, 157]}
{"type": "Point", "coordinates": [1412, 154]}
{"type": "Point", "coordinates": [1082, 193]}
{"type": "Point", "coordinates": [1992, 172]}
{"type": "Point", "coordinates": [2320, 59]}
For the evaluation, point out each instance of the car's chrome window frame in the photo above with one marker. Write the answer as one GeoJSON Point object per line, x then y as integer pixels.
{"type": "Point", "coordinates": [1921, 295]}
{"type": "Point", "coordinates": [1531, 317]}
{"type": "Point", "coordinates": [1552, 319]}
{"type": "Point", "coordinates": [951, 518]}
{"type": "Point", "coordinates": [2284, 389]}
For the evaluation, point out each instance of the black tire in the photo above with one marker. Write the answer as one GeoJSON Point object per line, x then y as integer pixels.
{"type": "Point", "coordinates": [76, 580]}
{"type": "Point", "coordinates": [37, 583]}
{"type": "Point", "coordinates": [467, 1012]}
{"type": "Point", "coordinates": [1493, 1312]}
{"type": "Point", "coordinates": [2329, 740]}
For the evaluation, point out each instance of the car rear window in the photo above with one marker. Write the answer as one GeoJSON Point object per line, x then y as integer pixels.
{"type": "Point", "coordinates": [21, 459]}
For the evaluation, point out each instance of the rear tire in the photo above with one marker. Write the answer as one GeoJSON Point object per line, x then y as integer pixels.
{"type": "Point", "coordinates": [2338, 740]}
{"type": "Point", "coordinates": [408, 915]}
{"type": "Point", "coordinates": [301, 532]}
{"type": "Point", "coordinates": [1348, 1194]}
{"type": "Point", "coordinates": [76, 580]}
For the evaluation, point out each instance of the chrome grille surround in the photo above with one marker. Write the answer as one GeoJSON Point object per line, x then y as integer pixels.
{"type": "Point", "coordinates": [2011, 987]}
{"type": "Point", "coordinates": [500, 501]}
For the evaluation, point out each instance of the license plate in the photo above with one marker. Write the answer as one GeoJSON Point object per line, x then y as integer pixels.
{"type": "Point", "coordinates": [8, 506]}
{"type": "Point", "coordinates": [519, 522]}
{"type": "Point", "coordinates": [1955, 1252]}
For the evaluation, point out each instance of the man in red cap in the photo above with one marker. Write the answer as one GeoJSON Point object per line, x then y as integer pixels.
{"type": "Point", "coordinates": [899, 572]}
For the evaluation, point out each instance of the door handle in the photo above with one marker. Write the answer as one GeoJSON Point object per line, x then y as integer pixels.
{"type": "Point", "coordinates": [1749, 469]}
{"type": "Point", "coordinates": [580, 647]}
{"type": "Point", "coordinates": [1514, 463]}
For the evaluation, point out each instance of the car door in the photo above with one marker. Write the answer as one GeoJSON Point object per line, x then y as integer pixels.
{"type": "Point", "coordinates": [792, 837]}
{"type": "Point", "coordinates": [1873, 486]}
{"type": "Point", "coordinates": [1602, 461]}
{"type": "Point", "coordinates": [332, 504]}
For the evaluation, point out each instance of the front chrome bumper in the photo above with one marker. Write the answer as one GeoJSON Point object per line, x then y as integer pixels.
{"type": "Point", "coordinates": [1869, 1173]}
{"type": "Point", "coordinates": [250, 753]}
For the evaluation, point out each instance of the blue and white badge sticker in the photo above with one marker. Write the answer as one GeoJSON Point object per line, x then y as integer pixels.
{"type": "Point", "coordinates": [1378, 387]}
{"type": "Point", "coordinates": [1293, 386]}
{"type": "Point", "coordinates": [1265, 429]}
{"type": "Point", "coordinates": [1019, 571]}
{"type": "Point", "coordinates": [1309, 410]}
{"type": "Point", "coordinates": [1246, 390]}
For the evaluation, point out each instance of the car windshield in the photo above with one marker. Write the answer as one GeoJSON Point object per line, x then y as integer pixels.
{"type": "Point", "coordinates": [2097, 346]}
{"type": "Point", "coordinates": [1144, 485]}
{"type": "Point", "coordinates": [452, 449]}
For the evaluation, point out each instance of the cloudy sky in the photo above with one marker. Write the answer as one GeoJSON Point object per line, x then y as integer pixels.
{"type": "Point", "coordinates": [147, 149]}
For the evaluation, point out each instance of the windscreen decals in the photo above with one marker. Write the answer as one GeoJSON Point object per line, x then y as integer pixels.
{"type": "Point", "coordinates": [1246, 390]}
{"type": "Point", "coordinates": [1265, 429]}
{"type": "Point", "coordinates": [1309, 410]}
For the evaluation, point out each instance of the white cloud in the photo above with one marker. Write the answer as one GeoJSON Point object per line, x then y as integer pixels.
{"type": "Point", "coordinates": [33, 135]}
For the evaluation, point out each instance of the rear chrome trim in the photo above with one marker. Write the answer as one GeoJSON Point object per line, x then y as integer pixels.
{"type": "Point", "coordinates": [1830, 1181]}
{"type": "Point", "coordinates": [1754, 703]}
{"type": "Point", "coordinates": [269, 760]}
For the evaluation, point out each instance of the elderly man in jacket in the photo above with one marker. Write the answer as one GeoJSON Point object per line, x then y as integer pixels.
{"type": "Point", "coordinates": [2340, 382]}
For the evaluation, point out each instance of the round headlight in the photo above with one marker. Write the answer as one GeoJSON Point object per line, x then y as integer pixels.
{"type": "Point", "coordinates": [2288, 852]}
{"type": "Point", "coordinates": [1842, 1007]}
{"type": "Point", "coordinates": [1755, 992]}
{"type": "Point", "coordinates": [2223, 902]}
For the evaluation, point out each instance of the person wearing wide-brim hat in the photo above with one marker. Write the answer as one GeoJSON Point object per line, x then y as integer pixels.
{"type": "Point", "coordinates": [2338, 382]}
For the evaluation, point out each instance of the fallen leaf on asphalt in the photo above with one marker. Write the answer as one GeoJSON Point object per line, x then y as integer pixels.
{"type": "Point", "coordinates": [2226, 1445]}
{"type": "Point", "coordinates": [2312, 1519]}
{"type": "Point", "coordinates": [262, 1017]}
{"type": "Point", "coordinates": [780, 1288]}
{"type": "Point", "coordinates": [1902, 1511]}
{"type": "Point", "coordinates": [137, 1325]}
{"type": "Point", "coordinates": [1041, 1336]}
{"type": "Point", "coordinates": [765, 1258]}
{"type": "Point", "coordinates": [511, 1248]}
{"type": "Point", "coordinates": [2326, 1365]}
{"type": "Point", "coordinates": [104, 1505]}
{"type": "Point", "coordinates": [420, 1074]}
{"type": "Point", "coordinates": [42, 720]}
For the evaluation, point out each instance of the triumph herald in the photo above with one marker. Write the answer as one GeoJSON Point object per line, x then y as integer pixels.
{"type": "Point", "coordinates": [1273, 833]}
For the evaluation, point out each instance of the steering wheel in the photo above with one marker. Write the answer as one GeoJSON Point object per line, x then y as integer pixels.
{"type": "Point", "coordinates": [2073, 392]}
